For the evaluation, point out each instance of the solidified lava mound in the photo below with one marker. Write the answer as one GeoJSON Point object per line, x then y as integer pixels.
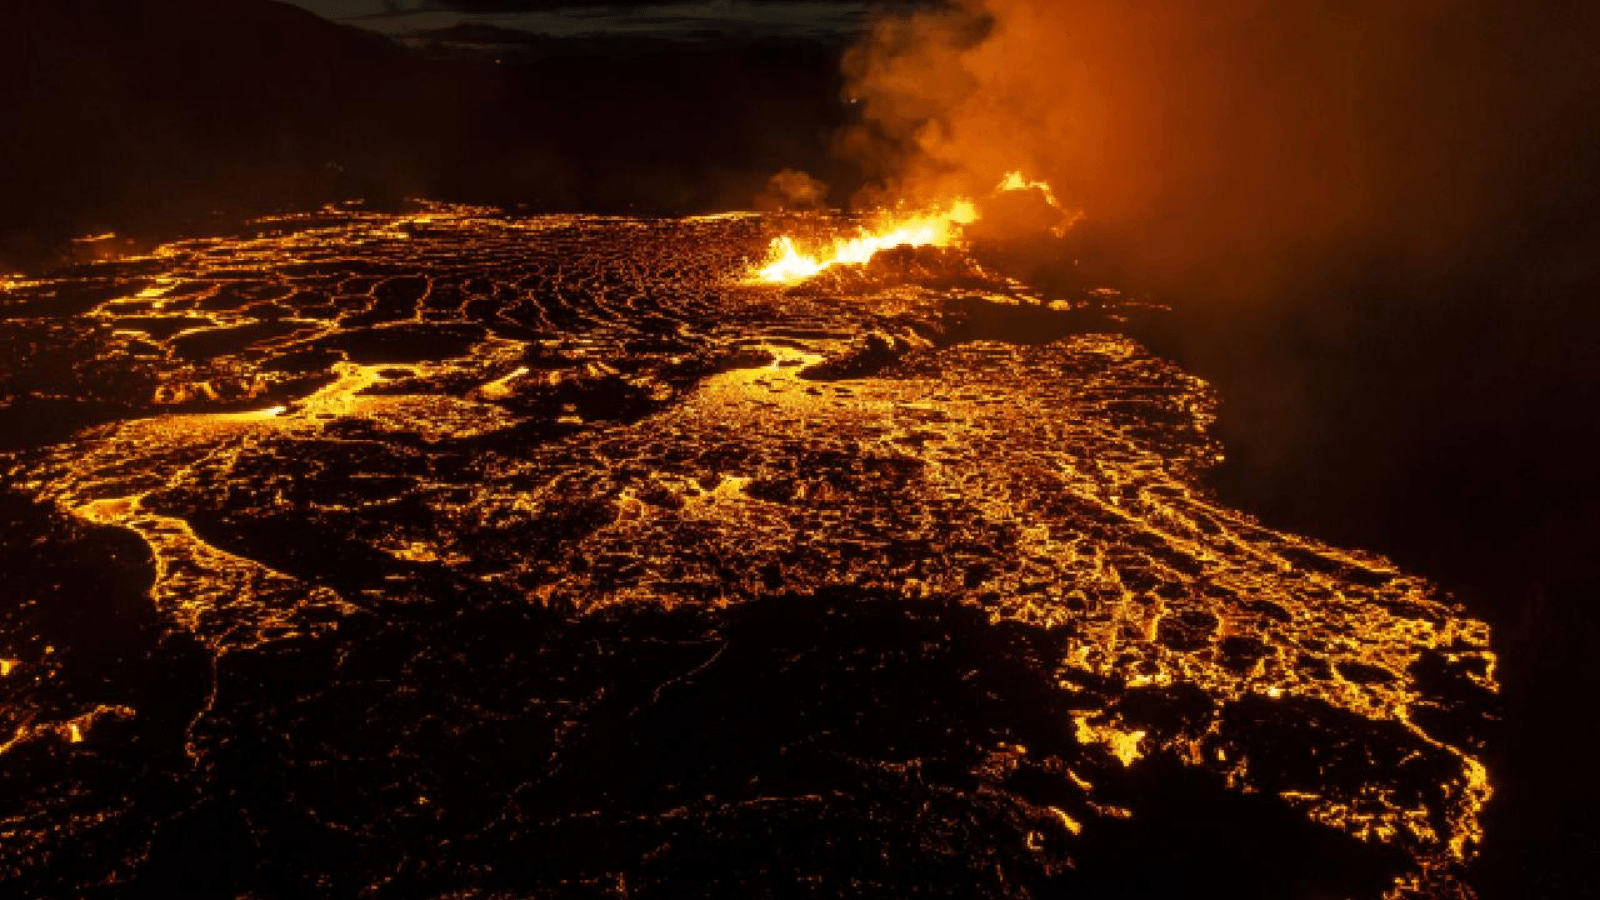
{"type": "Point", "coordinates": [457, 555]}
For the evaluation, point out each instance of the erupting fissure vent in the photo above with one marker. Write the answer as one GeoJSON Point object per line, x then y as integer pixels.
{"type": "Point", "coordinates": [939, 226]}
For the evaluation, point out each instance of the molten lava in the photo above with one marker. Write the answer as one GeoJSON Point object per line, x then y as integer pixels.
{"type": "Point", "coordinates": [938, 227]}
{"type": "Point", "coordinates": [1016, 181]}
{"type": "Point", "coordinates": [542, 490]}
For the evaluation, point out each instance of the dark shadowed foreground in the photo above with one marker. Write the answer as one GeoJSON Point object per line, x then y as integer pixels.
{"type": "Point", "coordinates": [445, 554]}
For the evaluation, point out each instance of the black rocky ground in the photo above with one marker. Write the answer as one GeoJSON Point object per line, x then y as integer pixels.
{"type": "Point", "coordinates": [453, 555]}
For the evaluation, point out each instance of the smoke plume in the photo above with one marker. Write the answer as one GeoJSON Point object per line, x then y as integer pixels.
{"type": "Point", "coordinates": [790, 189]}
{"type": "Point", "coordinates": [1232, 139]}
{"type": "Point", "coordinates": [1378, 222]}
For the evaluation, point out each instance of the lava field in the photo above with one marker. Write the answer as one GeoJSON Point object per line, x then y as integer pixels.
{"type": "Point", "coordinates": [453, 554]}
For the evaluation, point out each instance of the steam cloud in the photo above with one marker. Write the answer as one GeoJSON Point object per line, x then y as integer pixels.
{"type": "Point", "coordinates": [1378, 222]}
{"type": "Point", "coordinates": [790, 189]}
{"type": "Point", "coordinates": [1246, 131]}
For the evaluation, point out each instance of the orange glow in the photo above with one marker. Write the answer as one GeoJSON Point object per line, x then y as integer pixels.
{"type": "Point", "coordinates": [935, 227]}
{"type": "Point", "coordinates": [1016, 181]}
{"type": "Point", "coordinates": [1122, 744]}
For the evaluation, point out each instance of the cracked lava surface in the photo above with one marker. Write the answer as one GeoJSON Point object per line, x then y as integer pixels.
{"type": "Point", "coordinates": [451, 554]}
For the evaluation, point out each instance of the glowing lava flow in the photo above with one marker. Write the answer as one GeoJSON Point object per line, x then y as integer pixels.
{"type": "Point", "coordinates": [509, 447]}
{"type": "Point", "coordinates": [1016, 181]}
{"type": "Point", "coordinates": [936, 228]}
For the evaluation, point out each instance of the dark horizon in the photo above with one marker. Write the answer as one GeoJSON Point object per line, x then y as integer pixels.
{"type": "Point", "coordinates": [699, 22]}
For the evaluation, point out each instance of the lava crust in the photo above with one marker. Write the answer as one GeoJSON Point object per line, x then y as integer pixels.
{"type": "Point", "coordinates": [451, 554]}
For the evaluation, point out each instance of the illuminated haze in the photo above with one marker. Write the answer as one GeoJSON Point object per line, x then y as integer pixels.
{"type": "Point", "coordinates": [1234, 140]}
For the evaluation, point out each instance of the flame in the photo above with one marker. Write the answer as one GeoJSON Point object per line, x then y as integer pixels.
{"type": "Point", "coordinates": [1016, 181]}
{"type": "Point", "coordinates": [936, 227]}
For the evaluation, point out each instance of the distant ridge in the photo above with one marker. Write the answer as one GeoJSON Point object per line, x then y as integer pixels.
{"type": "Point", "coordinates": [159, 118]}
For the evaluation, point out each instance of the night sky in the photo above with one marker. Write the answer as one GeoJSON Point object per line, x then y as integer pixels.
{"type": "Point", "coordinates": [803, 18]}
{"type": "Point", "coordinates": [340, 9]}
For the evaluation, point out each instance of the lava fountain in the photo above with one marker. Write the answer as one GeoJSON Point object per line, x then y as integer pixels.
{"type": "Point", "coordinates": [938, 226]}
